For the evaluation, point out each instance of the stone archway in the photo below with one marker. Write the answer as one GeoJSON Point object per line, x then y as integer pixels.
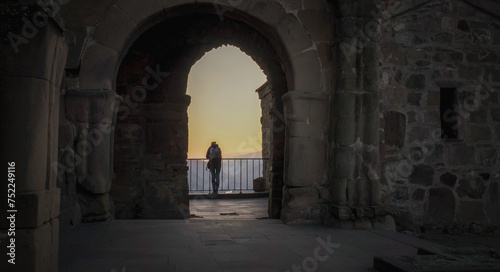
{"type": "Point", "coordinates": [301, 72]}
{"type": "Point", "coordinates": [152, 127]}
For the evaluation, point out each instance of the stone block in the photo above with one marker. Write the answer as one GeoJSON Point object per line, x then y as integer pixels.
{"type": "Point", "coordinates": [473, 188]}
{"type": "Point", "coordinates": [27, 100]}
{"type": "Point", "coordinates": [94, 206]}
{"type": "Point", "coordinates": [54, 250]}
{"type": "Point", "coordinates": [299, 199]}
{"type": "Point", "coordinates": [308, 164]}
{"type": "Point", "coordinates": [34, 246]}
{"type": "Point", "coordinates": [458, 154]}
{"type": "Point", "coordinates": [355, 9]}
{"type": "Point", "coordinates": [480, 134]}
{"type": "Point", "coordinates": [418, 195]}
{"type": "Point", "coordinates": [384, 223]}
{"type": "Point", "coordinates": [99, 160]}
{"type": "Point", "coordinates": [395, 128]}
{"type": "Point", "coordinates": [422, 175]}
{"type": "Point", "coordinates": [306, 71]}
{"type": "Point", "coordinates": [414, 98]}
{"type": "Point", "coordinates": [362, 223]}
{"type": "Point", "coordinates": [342, 212]}
{"type": "Point", "coordinates": [140, 12]}
{"type": "Point", "coordinates": [344, 118]}
{"type": "Point", "coordinates": [36, 58]}
{"type": "Point", "coordinates": [400, 194]}
{"type": "Point", "coordinates": [165, 199]}
{"type": "Point", "coordinates": [66, 135]}
{"type": "Point", "coordinates": [495, 115]}
{"type": "Point", "coordinates": [168, 4]}
{"type": "Point", "coordinates": [441, 206]}
{"type": "Point", "coordinates": [295, 41]}
{"type": "Point", "coordinates": [92, 106]}
{"type": "Point", "coordinates": [448, 179]}
{"type": "Point", "coordinates": [494, 192]}
{"type": "Point", "coordinates": [34, 208]}
{"type": "Point", "coordinates": [395, 55]}
{"type": "Point", "coordinates": [98, 68]}
{"type": "Point", "coordinates": [115, 26]}
{"type": "Point", "coordinates": [416, 81]}
{"type": "Point", "coordinates": [317, 24]}
{"type": "Point", "coordinates": [344, 162]}
{"type": "Point", "coordinates": [271, 13]}
{"type": "Point", "coordinates": [471, 211]}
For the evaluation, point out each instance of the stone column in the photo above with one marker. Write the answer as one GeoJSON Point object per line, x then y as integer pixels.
{"type": "Point", "coordinates": [306, 117]}
{"type": "Point", "coordinates": [355, 170]}
{"type": "Point", "coordinates": [93, 113]}
{"type": "Point", "coordinates": [31, 70]}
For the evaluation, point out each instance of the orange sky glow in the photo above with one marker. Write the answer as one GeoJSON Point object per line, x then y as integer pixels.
{"type": "Point", "coordinates": [224, 105]}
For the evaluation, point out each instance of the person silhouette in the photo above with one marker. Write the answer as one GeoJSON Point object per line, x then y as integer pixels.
{"type": "Point", "coordinates": [214, 155]}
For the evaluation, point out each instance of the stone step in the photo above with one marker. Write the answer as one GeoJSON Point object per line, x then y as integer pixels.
{"type": "Point", "coordinates": [437, 263]}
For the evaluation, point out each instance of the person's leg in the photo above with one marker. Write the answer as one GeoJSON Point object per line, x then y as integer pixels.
{"type": "Point", "coordinates": [217, 179]}
{"type": "Point", "coordinates": [213, 174]}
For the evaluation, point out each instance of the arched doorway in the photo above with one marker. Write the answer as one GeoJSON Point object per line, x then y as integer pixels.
{"type": "Point", "coordinates": [152, 133]}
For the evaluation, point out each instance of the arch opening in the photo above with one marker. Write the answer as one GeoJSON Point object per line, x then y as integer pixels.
{"type": "Point", "coordinates": [151, 139]}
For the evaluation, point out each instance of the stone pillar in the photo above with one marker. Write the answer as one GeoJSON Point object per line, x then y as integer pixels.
{"type": "Point", "coordinates": [273, 135]}
{"type": "Point", "coordinates": [31, 70]}
{"type": "Point", "coordinates": [164, 169]}
{"type": "Point", "coordinates": [355, 171]}
{"type": "Point", "coordinates": [306, 117]}
{"type": "Point", "coordinates": [93, 113]}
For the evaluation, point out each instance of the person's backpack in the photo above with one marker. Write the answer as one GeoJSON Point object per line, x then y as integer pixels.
{"type": "Point", "coordinates": [215, 153]}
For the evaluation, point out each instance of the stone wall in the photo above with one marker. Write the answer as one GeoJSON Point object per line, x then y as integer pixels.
{"type": "Point", "coordinates": [439, 74]}
{"type": "Point", "coordinates": [273, 142]}
{"type": "Point", "coordinates": [150, 161]}
{"type": "Point", "coordinates": [32, 56]}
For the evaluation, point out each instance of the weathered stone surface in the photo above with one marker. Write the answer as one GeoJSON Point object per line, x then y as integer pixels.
{"type": "Point", "coordinates": [459, 154]}
{"type": "Point", "coordinates": [395, 128]}
{"type": "Point", "coordinates": [112, 34]}
{"type": "Point", "coordinates": [95, 207]}
{"type": "Point", "coordinates": [471, 211]}
{"type": "Point", "coordinates": [422, 175]}
{"type": "Point", "coordinates": [259, 184]}
{"type": "Point", "coordinates": [441, 206]}
{"type": "Point", "coordinates": [384, 223]}
{"type": "Point", "coordinates": [400, 194]}
{"type": "Point", "coordinates": [300, 199]}
{"type": "Point", "coordinates": [414, 98]}
{"type": "Point", "coordinates": [471, 187]}
{"type": "Point", "coordinates": [494, 192]}
{"type": "Point", "coordinates": [480, 133]}
{"type": "Point", "coordinates": [416, 81]}
{"type": "Point", "coordinates": [448, 179]}
{"type": "Point", "coordinates": [418, 195]}
{"type": "Point", "coordinates": [342, 212]}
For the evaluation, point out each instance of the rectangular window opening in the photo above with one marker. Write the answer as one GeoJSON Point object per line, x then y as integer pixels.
{"type": "Point", "coordinates": [448, 112]}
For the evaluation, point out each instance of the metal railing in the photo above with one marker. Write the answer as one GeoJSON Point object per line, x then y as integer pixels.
{"type": "Point", "coordinates": [237, 175]}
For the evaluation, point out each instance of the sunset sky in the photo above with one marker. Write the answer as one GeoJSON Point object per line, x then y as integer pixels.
{"type": "Point", "coordinates": [224, 105]}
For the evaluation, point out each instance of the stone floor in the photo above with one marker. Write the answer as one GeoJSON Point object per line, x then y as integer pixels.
{"type": "Point", "coordinates": [235, 241]}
